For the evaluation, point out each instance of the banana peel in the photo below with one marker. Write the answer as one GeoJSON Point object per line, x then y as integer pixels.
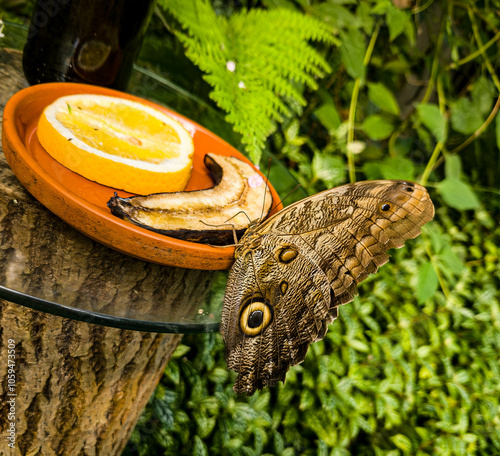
{"type": "Point", "coordinates": [212, 216]}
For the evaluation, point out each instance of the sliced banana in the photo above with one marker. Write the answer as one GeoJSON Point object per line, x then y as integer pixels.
{"type": "Point", "coordinates": [211, 216]}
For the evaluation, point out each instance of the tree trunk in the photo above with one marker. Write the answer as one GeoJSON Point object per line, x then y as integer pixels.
{"type": "Point", "coordinates": [74, 388]}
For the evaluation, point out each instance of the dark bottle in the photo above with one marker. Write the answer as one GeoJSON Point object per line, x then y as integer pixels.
{"type": "Point", "coordinates": [90, 41]}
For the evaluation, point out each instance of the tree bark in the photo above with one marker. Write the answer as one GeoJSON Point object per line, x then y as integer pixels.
{"type": "Point", "coordinates": [74, 388]}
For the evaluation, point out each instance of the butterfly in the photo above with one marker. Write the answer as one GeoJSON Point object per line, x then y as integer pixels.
{"type": "Point", "coordinates": [293, 270]}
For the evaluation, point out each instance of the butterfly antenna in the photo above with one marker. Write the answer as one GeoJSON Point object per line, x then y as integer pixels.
{"type": "Point", "coordinates": [235, 238]}
{"type": "Point", "coordinates": [238, 213]}
{"type": "Point", "coordinates": [226, 223]}
{"type": "Point", "coordinates": [287, 195]}
{"type": "Point", "coordinates": [265, 190]}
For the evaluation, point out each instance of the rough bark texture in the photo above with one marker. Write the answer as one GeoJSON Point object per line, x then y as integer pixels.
{"type": "Point", "coordinates": [79, 387]}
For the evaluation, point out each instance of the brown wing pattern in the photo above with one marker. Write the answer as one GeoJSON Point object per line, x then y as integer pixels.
{"type": "Point", "coordinates": [293, 270]}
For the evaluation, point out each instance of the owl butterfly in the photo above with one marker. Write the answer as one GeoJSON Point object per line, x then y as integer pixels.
{"type": "Point", "coordinates": [293, 270]}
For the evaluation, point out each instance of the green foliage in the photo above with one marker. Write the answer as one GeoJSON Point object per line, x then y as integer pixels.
{"type": "Point", "coordinates": [383, 98]}
{"type": "Point", "coordinates": [394, 103]}
{"type": "Point", "coordinates": [454, 191]}
{"type": "Point", "coordinates": [18, 11]}
{"type": "Point", "coordinates": [427, 283]}
{"type": "Point", "coordinates": [256, 62]}
{"type": "Point", "coordinates": [433, 119]}
{"type": "Point", "coordinates": [392, 376]}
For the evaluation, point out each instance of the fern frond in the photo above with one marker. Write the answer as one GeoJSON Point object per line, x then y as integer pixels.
{"type": "Point", "coordinates": [254, 61]}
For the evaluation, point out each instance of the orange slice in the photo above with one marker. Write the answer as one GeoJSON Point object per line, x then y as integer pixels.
{"type": "Point", "coordinates": [117, 142]}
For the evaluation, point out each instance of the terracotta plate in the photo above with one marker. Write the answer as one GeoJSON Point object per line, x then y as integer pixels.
{"type": "Point", "coordinates": [82, 203]}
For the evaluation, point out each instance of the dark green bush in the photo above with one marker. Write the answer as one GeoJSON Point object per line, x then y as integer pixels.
{"type": "Point", "coordinates": [391, 377]}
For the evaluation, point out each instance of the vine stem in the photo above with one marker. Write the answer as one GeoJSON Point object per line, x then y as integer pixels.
{"type": "Point", "coordinates": [354, 102]}
{"type": "Point", "coordinates": [435, 62]}
{"type": "Point", "coordinates": [481, 47]}
{"type": "Point", "coordinates": [431, 164]}
{"type": "Point", "coordinates": [475, 54]}
{"type": "Point", "coordinates": [441, 281]}
{"type": "Point", "coordinates": [480, 130]}
{"type": "Point", "coordinates": [350, 129]}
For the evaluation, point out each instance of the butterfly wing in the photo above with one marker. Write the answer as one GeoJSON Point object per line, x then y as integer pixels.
{"type": "Point", "coordinates": [272, 313]}
{"type": "Point", "coordinates": [297, 267]}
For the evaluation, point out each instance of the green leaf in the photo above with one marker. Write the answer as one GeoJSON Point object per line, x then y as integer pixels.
{"type": "Point", "coordinates": [482, 95]}
{"type": "Point", "coordinates": [292, 131]}
{"type": "Point", "coordinates": [278, 4]}
{"type": "Point", "coordinates": [218, 375]}
{"type": "Point", "coordinates": [335, 15]}
{"type": "Point", "coordinates": [377, 127]}
{"type": "Point", "coordinates": [402, 442]}
{"type": "Point", "coordinates": [397, 20]}
{"type": "Point", "coordinates": [352, 52]}
{"type": "Point", "coordinates": [438, 241]}
{"type": "Point", "coordinates": [365, 16]}
{"type": "Point", "coordinates": [466, 118]}
{"type": "Point", "coordinates": [427, 282]}
{"type": "Point", "coordinates": [458, 194]}
{"type": "Point", "coordinates": [372, 171]}
{"type": "Point", "coordinates": [279, 443]}
{"type": "Point", "coordinates": [306, 400]}
{"type": "Point", "coordinates": [434, 120]}
{"type": "Point", "coordinates": [453, 167]}
{"type": "Point", "coordinates": [330, 170]}
{"type": "Point", "coordinates": [199, 448]}
{"type": "Point", "coordinates": [180, 351]}
{"type": "Point", "coordinates": [397, 168]}
{"type": "Point", "coordinates": [452, 261]}
{"type": "Point", "coordinates": [382, 97]}
{"type": "Point", "coordinates": [172, 371]}
{"type": "Point", "coordinates": [328, 116]}
{"type": "Point", "coordinates": [358, 345]}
